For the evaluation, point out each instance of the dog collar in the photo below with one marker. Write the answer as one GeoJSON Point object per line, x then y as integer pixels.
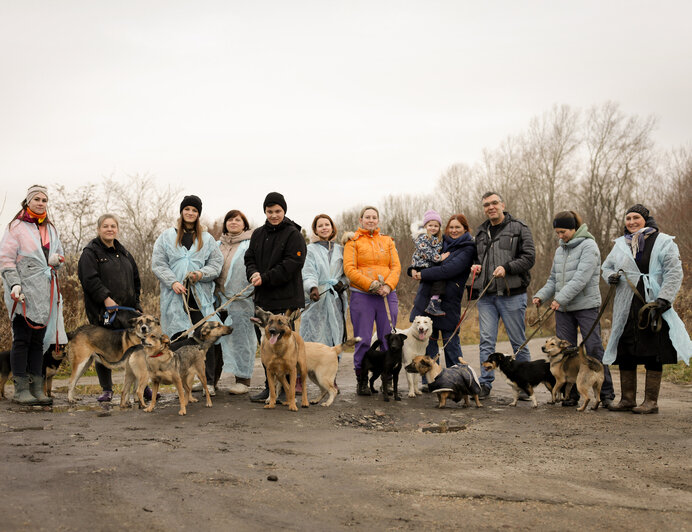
{"type": "Point", "coordinates": [157, 355]}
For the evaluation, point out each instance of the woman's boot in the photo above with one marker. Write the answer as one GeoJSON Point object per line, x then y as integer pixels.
{"type": "Point", "coordinates": [36, 388]}
{"type": "Point", "coordinates": [651, 389]}
{"type": "Point", "coordinates": [628, 395]}
{"type": "Point", "coordinates": [22, 395]}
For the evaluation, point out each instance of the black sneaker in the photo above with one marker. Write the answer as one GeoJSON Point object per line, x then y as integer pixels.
{"type": "Point", "coordinates": [260, 397]}
{"type": "Point", "coordinates": [485, 392]}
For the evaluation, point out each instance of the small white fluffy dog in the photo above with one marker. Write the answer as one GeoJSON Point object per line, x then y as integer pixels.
{"type": "Point", "coordinates": [417, 337]}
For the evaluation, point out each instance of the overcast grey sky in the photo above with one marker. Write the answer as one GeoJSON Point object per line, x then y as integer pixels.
{"type": "Point", "coordinates": [335, 104]}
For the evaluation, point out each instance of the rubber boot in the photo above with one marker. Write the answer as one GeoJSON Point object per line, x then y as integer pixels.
{"type": "Point", "coordinates": [36, 388]}
{"type": "Point", "coordinates": [651, 389]}
{"type": "Point", "coordinates": [22, 395]}
{"type": "Point", "coordinates": [628, 394]}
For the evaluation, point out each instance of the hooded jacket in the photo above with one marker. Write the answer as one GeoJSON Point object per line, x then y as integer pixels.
{"type": "Point", "coordinates": [574, 276]}
{"type": "Point", "coordinates": [511, 248]}
{"type": "Point", "coordinates": [277, 253]}
{"type": "Point", "coordinates": [368, 255]}
{"type": "Point", "coordinates": [108, 272]}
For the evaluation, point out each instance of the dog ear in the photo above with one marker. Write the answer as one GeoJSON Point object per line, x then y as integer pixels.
{"type": "Point", "coordinates": [403, 336]}
{"type": "Point", "coordinates": [165, 340]}
{"type": "Point", "coordinates": [425, 363]}
{"type": "Point", "coordinates": [132, 322]}
{"type": "Point", "coordinates": [563, 344]}
{"type": "Point", "coordinates": [262, 315]}
{"type": "Point", "coordinates": [293, 315]}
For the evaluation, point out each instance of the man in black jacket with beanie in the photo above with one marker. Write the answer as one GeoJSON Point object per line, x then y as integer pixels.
{"type": "Point", "coordinates": [274, 262]}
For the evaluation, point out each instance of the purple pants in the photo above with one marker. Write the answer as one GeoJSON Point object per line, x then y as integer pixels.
{"type": "Point", "coordinates": [366, 310]}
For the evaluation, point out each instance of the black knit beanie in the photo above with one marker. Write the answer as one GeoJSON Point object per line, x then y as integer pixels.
{"type": "Point", "coordinates": [274, 198]}
{"type": "Point", "coordinates": [191, 201]}
{"type": "Point", "coordinates": [639, 209]}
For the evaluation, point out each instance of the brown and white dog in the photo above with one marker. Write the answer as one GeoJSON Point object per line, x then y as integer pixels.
{"type": "Point", "coordinates": [572, 365]}
{"type": "Point", "coordinates": [282, 351]}
{"type": "Point", "coordinates": [109, 347]}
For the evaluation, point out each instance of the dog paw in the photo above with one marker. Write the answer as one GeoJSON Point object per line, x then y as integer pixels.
{"type": "Point", "coordinates": [513, 404]}
{"type": "Point", "coordinates": [418, 392]}
{"type": "Point", "coordinates": [269, 405]}
{"type": "Point", "coordinates": [293, 408]}
{"type": "Point", "coordinates": [148, 409]}
{"type": "Point", "coordinates": [314, 401]}
{"type": "Point", "coordinates": [208, 405]}
{"type": "Point", "coordinates": [193, 399]}
{"type": "Point", "coordinates": [411, 394]}
{"type": "Point", "coordinates": [182, 412]}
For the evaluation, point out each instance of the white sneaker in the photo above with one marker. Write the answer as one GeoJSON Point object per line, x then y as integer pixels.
{"type": "Point", "coordinates": [211, 389]}
{"type": "Point", "coordinates": [238, 389]}
{"type": "Point", "coordinates": [197, 386]}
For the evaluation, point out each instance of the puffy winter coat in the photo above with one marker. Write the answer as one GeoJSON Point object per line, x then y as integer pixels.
{"type": "Point", "coordinates": [574, 277]}
{"type": "Point", "coordinates": [663, 280]}
{"type": "Point", "coordinates": [277, 253]}
{"type": "Point", "coordinates": [108, 272]}
{"type": "Point", "coordinates": [511, 248]}
{"type": "Point", "coordinates": [368, 255]}
{"type": "Point", "coordinates": [455, 271]}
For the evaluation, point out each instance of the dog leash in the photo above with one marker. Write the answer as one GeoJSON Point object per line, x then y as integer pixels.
{"type": "Point", "coordinates": [538, 322]}
{"type": "Point", "coordinates": [109, 317]}
{"type": "Point", "coordinates": [608, 297]}
{"type": "Point", "coordinates": [200, 322]}
{"type": "Point", "coordinates": [309, 305]}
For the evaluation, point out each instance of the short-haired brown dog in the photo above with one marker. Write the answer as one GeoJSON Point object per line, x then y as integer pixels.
{"type": "Point", "coordinates": [572, 365]}
{"type": "Point", "coordinates": [153, 360]}
{"type": "Point", "coordinates": [282, 351]}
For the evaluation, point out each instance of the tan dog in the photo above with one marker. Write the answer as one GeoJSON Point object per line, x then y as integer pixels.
{"type": "Point", "coordinates": [323, 363]}
{"type": "Point", "coordinates": [457, 382]}
{"type": "Point", "coordinates": [106, 346]}
{"type": "Point", "coordinates": [152, 360]}
{"type": "Point", "coordinates": [571, 365]}
{"type": "Point", "coordinates": [282, 351]}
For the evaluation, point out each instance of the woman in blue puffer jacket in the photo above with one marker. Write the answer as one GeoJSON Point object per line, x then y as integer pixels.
{"type": "Point", "coordinates": [454, 270]}
{"type": "Point", "coordinates": [573, 285]}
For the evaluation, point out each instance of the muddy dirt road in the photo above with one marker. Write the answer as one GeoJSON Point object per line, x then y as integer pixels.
{"type": "Point", "coordinates": [360, 464]}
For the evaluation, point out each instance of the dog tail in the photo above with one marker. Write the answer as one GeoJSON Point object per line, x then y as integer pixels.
{"type": "Point", "coordinates": [348, 343]}
{"type": "Point", "coordinates": [593, 364]}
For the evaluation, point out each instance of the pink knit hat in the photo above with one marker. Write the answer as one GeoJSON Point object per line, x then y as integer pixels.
{"type": "Point", "coordinates": [432, 215]}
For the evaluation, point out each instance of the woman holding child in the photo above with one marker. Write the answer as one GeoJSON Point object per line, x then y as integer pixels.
{"type": "Point", "coordinates": [458, 250]}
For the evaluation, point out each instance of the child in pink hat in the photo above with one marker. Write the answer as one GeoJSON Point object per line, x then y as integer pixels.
{"type": "Point", "coordinates": [428, 253]}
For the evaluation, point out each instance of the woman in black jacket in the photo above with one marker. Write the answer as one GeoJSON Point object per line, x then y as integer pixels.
{"type": "Point", "coordinates": [109, 278]}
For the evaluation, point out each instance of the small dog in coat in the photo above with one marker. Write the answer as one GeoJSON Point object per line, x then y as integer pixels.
{"type": "Point", "coordinates": [457, 382]}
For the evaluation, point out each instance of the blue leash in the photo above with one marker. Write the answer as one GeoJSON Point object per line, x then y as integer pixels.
{"type": "Point", "coordinates": [109, 317]}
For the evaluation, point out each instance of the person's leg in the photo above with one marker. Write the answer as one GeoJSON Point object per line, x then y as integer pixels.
{"type": "Point", "coordinates": [566, 329]}
{"type": "Point", "coordinates": [488, 319]}
{"type": "Point", "coordinates": [105, 377]}
{"type": "Point", "coordinates": [362, 317]}
{"type": "Point", "coordinates": [512, 310]}
{"type": "Point", "coordinates": [594, 348]}
{"type": "Point", "coordinates": [652, 386]}
{"type": "Point", "coordinates": [433, 346]}
{"type": "Point", "coordinates": [19, 356]}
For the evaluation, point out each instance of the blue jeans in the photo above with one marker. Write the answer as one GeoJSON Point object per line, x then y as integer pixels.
{"type": "Point", "coordinates": [452, 351]}
{"type": "Point", "coordinates": [512, 311]}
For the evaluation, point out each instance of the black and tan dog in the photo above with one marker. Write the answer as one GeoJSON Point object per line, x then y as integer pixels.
{"type": "Point", "coordinates": [109, 347]}
{"type": "Point", "coordinates": [52, 359]}
{"type": "Point", "coordinates": [457, 382]}
{"type": "Point", "coordinates": [385, 364]}
{"type": "Point", "coordinates": [283, 353]}
{"type": "Point", "coordinates": [153, 360]}
{"type": "Point", "coordinates": [572, 365]}
{"type": "Point", "coordinates": [522, 376]}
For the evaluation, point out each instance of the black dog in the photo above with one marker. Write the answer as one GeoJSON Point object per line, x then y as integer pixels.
{"type": "Point", "coordinates": [522, 375]}
{"type": "Point", "coordinates": [386, 364]}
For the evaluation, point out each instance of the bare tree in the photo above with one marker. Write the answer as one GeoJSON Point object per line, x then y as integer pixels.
{"type": "Point", "coordinates": [74, 215]}
{"type": "Point", "coordinates": [620, 153]}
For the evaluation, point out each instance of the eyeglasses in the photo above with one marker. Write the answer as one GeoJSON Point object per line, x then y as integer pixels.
{"type": "Point", "coordinates": [489, 203]}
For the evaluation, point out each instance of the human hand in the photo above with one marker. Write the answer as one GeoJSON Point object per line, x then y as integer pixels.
{"type": "Point", "coordinates": [444, 256]}
{"type": "Point", "coordinates": [536, 301]}
{"type": "Point", "coordinates": [476, 268]}
{"type": "Point", "coordinates": [614, 278]}
{"type": "Point", "coordinates": [55, 260]}
{"type": "Point", "coordinates": [256, 279]}
{"type": "Point", "coordinates": [416, 275]}
{"type": "Point", "coordinates": [340, 287]}
{"type": "Point", "coordinates": [384, 290]}
{"type": "Point", "coordinates": [663, 305]}
{"type": "Point", "coordinates": [374, 287]}
{"type": "Point", "coordinates": [555, 305]}
{"type": "Point", "coordinates": [16, 293]}
{"type": "Point", "coordinates": [314, 294]}
{"type": "Point", "coordinates": [178, 288]}
{"type": "Point", "coordinates": [108, 302]}
{"type": "Point", "coordinates": [499, 272]}
{"type": "Point", "coordinates": [194, 276]}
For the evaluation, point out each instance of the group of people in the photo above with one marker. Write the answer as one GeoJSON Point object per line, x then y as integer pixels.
{"type": "Point", "coordinates": [198, 274]}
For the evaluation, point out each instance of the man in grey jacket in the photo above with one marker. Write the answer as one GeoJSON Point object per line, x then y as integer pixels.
{"type": "Point", "coordinates": [505, 255]}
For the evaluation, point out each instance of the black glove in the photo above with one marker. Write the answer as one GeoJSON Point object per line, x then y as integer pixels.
{"type": "Point", "coordinates": [662, 305]}
{"type": "Point", "coordinates": [340, 287]}
{"type": "Point", "coordinates": [614, 278]}
{"type": "Point", "coordinates": [314, 294]}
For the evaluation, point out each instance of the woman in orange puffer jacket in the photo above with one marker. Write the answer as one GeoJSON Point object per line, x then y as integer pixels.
{"type": "Point", "coordinates": [372, 266]}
